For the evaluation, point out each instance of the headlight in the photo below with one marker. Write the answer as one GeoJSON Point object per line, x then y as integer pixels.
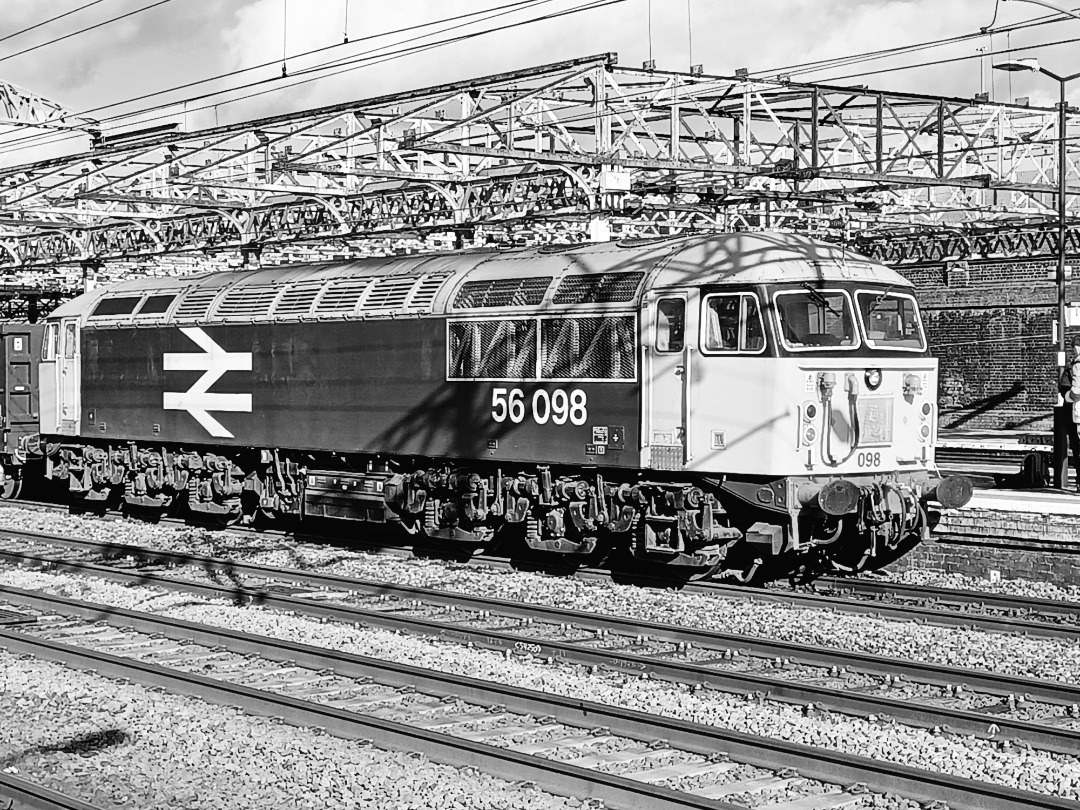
{"type": "Point", "coordinates": [873, 378]}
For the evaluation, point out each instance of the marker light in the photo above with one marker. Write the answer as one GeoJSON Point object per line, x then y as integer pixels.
{"type": "Point", "coordinates": [873, 378]}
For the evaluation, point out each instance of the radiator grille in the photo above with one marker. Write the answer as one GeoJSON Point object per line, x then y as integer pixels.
{"type": "Point", "coordinates": [493, 349]}
{"type": "Point", "coordinates": [604, 288]}
{"type": "Point", "coordinates": [588, 348]}
{"type": "Point", "coordinates": [502, 292]}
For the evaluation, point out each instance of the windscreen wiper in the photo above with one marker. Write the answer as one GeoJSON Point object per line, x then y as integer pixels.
{"type": "Point", "coordinates": [820, 299]}
{"type": "Point", "coordinates": [877, 301]}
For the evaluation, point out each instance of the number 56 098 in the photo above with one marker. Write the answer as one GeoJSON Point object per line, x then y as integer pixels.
{"type": "Point", "coordinates": [558, 406]}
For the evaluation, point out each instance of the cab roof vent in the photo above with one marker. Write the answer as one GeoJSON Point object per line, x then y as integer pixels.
{"type": "Point", "coordinates": [603, 288]}
{"type": "Point", "coordinates": [195, 303]}
{"type": "Point", "coordinates": [247, 303]}
{"type": "Point", "coordinates": [502, 292]}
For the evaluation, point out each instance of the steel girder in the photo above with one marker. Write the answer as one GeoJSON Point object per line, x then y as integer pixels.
{"type": "Point", "coordinates": [26, 303]}
{"type": "Point", "coordinates": [19, 107]}
{"type": "Point", "coordinates": [928, 246]}
{"type": "Point", "coordinates": [640, 151]}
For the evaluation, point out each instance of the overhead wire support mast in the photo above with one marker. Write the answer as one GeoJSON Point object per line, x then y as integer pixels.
{"type": "Point", "coordinates": [551, 149]}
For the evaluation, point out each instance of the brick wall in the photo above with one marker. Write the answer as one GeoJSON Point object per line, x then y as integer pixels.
{"type": "Point", "coordinates": [1018, 545]}
{"type": "Point", "coordinates": [989, 323]}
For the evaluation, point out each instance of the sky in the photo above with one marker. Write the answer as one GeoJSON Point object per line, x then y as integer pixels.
{"type": "Point", "coordinates": [135, 48]}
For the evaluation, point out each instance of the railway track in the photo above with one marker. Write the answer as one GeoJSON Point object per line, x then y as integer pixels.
{"type": "Point", "coordinates": [999, 613]}
{"type": "Point", "coordinates": [969, 606]}
{"type": "Point", "coordinates": [22, 794]}
{"type": "Point", "coordinates": [623, 757]}
{"type": "Point", "coordinates": [1043, 714]}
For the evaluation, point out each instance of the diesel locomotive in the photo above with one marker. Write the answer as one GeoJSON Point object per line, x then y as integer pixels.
{"type": "Point", "coordinates": [753, 404]}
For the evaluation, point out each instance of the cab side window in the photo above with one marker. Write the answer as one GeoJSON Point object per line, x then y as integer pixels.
{"type": "Point", "coordinates": [71, 341]}
{"type": "Point", "coordinates": [732, 323]}
{"type": "Point", "coordinates": [50, 342]}
{"type": "Point", "coordinates": [670, 321]}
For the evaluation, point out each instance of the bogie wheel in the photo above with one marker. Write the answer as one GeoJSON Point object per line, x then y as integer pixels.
{"type": "Point", "coordinates": [598, 556]}
{"type": "Point", "coordinates": [11, 488]}
{"type": "Point", "coordinates": [703, 573]}
{"type": "Point", "coordinates": [412, 526]}
{"type": "Point", "coordinates": [231, 518]}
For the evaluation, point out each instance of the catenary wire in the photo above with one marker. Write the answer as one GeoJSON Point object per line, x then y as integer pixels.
{"type": "Point", "coordinates": [35, 26]}
{"type": "Point", "coordinates": [101, 24]}
{"type": "Point", "coordinates": [41, 139]}
{"type": "Point", "coordinates": [878, 54]}
{"type": "Point", "coordinates": [349, 66]}
{"type": "Point", "coordinates": [843, 61]}
{"type": "Point", "coordinates": [413, 50]}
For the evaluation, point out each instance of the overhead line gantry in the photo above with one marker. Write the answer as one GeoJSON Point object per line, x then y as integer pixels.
{"type": "Point", "coordinates": [584, 148]}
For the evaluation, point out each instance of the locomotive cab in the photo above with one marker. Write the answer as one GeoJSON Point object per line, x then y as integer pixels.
{"type": "Point", "coordinates": [812, 398]}
{"type": "Point", "coordinates": [60, 377]}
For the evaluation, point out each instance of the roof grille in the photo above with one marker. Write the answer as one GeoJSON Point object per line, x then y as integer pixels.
{"type": "Point", "coordinates": [389, 293]}
{"type": "Point", "coordinates": [342, 296]}
{"type": "Point", "coordinates": [194, 304]}
{"type": "Point", "coordinates": [247, 302]}
{"type": "Point", "coordinates": [297, 299]}
{"type": "Point", "coordinates": [502, 292]}
{"type": "Point", "coordinates": [604, 288]}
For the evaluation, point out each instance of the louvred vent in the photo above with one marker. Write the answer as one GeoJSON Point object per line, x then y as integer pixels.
{"type": "Point", "coordinates": [194, 305]}
{"type": "Point", "coordinates": [342, 296]}
{"type": "Point", "coordinates": [296, 301]}
{"type": "Point", "coordinates": [248, 302]}
{"type": "Point", "coordinates": [502, 292]}
{"type": "Point", "coordinates": [604, 288]}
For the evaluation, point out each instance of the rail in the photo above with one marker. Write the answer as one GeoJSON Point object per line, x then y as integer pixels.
{"type": "Point", "coordinates": [822, 764]}
{"type": "Point", "coordinates": [324, 596]}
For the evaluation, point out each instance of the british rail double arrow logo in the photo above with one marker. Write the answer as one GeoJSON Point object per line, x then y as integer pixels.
{"type": "Point", "coordinates": [198, 400]}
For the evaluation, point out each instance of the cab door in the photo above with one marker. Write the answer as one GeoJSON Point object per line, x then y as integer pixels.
{"type": "Point", "coordinates": [669, 347]}
{"type": "Point", "coordinates": [68, 369]}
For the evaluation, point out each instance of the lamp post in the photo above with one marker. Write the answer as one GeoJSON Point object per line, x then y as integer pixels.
{"type": "Point", "coordinates": [1061, 414]}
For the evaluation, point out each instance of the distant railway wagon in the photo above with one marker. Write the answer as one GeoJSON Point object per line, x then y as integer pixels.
{"type": "Point", "coordinates": [753, 403]}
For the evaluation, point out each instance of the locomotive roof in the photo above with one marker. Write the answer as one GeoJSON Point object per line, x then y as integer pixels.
{"type": "Point", "coordinates": [550, 277]}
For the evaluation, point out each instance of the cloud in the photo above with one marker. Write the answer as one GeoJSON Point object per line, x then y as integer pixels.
{"type": "Point", "coordinates": [180, 42]}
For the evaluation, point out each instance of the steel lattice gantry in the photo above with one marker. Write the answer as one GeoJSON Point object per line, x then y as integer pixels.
{"type": "Point", "coordinates": [578, 149]}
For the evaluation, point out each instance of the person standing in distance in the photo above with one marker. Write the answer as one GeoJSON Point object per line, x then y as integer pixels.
{"type": "Point", "coordinates": [1066, 417]}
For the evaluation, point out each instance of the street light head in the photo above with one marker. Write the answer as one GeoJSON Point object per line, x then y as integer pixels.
{"type": "Point", "coordinates": [1016, 65]}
